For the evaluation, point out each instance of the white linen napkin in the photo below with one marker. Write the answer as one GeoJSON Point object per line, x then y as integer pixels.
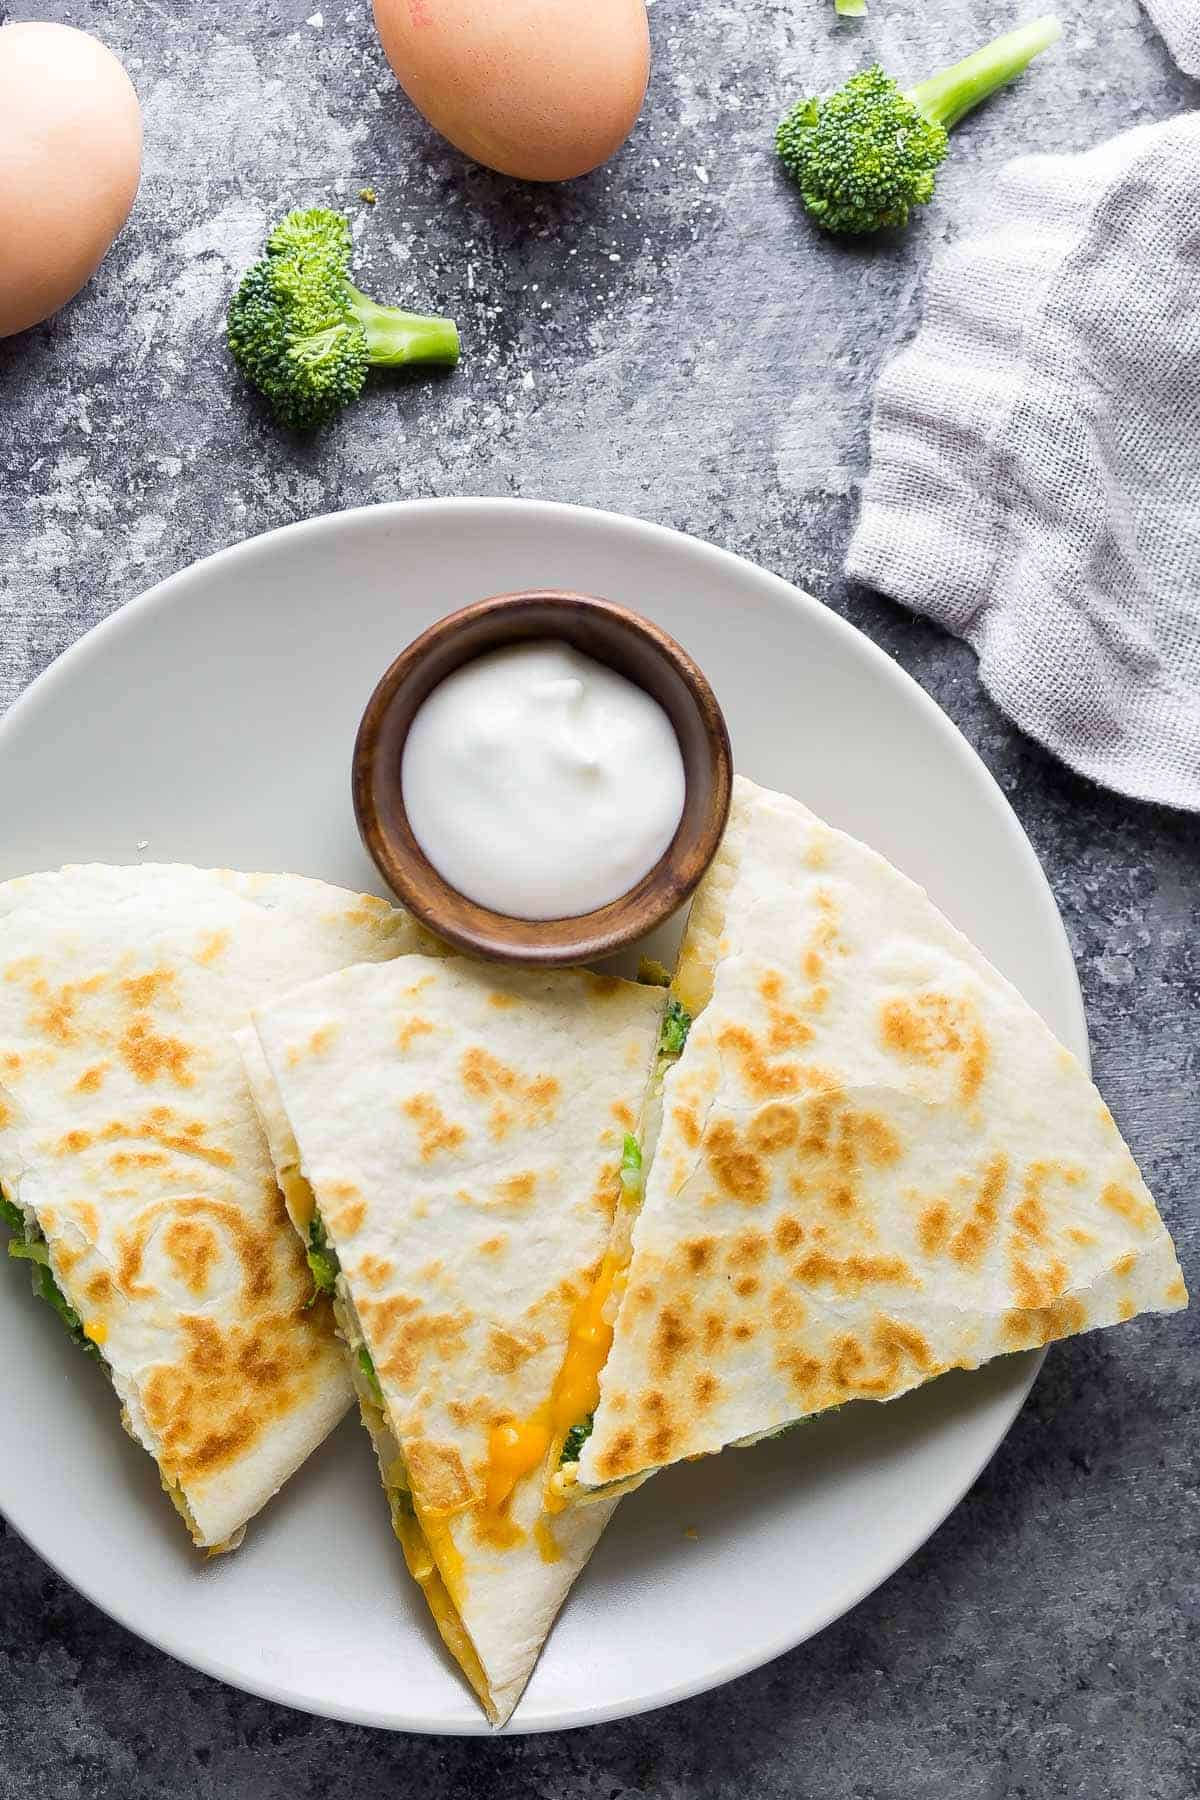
{"type": "Point", "coordinates": [1179, 23]}
{"type": "Point", "coordinates": [1035, 458]}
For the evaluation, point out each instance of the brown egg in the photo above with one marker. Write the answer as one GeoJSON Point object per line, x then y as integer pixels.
{"type": "Point", "coordinates": [70, 160]}
{"type": "Point", "coordinates": [540, 89]}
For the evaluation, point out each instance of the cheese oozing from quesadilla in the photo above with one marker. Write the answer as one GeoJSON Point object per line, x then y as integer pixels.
{"type": "Point", "coordinates": [872, 1162]}
{"type": "Point", "coordinates": [136, 1180]}
{"type": "Point", "coordinates": [449, 1137]}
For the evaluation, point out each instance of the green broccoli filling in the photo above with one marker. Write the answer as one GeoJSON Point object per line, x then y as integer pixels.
{"type": "Point", "coordinates": [322, 1259]}
{"type": "Point", "coordinates": [652, 973]}
{"type": "Point", "coordinates": [367, 1364]}
{"type": "Point", "coordinates": [631, 1167]}
{"type": "Point", "coordinates": [677, 1022]}
{"type": "Point", "coordinates": [30, 1247]}
{"type": "Point", "coordinates": [575, 1439]}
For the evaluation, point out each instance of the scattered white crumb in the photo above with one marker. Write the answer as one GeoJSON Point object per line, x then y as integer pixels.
{"type": "Point", "coordinates": [143, 843]}
{"type": "Point", "coordinates": [527, 379]}
{"type": "Point", "coordinates": [701, 173]}
{"type": "Point", "coordinates": [613, 257]}
{"type": "Point", "coordinates": [316, 20]}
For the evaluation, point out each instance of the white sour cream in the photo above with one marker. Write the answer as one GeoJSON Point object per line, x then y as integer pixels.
{"type": "Point", "coordinates": [540, 783]}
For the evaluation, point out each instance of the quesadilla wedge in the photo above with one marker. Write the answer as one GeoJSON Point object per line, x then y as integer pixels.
{"type": "Point", "coordinates": [136, 1181]}
{"type": "Point", "coordinates": [450, 1137]}
{"type": "Point", "coordinates": [870, 1162]}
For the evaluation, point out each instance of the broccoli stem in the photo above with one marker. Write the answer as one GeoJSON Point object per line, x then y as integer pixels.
{"type": "Point", "coordinates": [946, 98]}
{"type": "Point", "coordinates": [403, 337]}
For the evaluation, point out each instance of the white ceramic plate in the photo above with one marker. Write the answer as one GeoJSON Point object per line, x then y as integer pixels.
{"type": "Point", "coordinates": [211, 722]}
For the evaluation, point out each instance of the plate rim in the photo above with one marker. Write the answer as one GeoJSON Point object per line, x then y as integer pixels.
{"type": "Point", "coordinates": [167, 592]}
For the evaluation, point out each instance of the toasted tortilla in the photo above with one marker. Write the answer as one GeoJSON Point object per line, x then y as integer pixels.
{"type": "Point", "coordinates": [460, 1130]}
{"type": "Point", "coordinates": [874, 1163]}
{"type": "Point", "coordinates": [130, 1142]}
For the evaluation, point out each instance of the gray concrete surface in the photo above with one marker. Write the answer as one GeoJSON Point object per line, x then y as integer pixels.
{"type": "Point", "coordinates": [666, 338]}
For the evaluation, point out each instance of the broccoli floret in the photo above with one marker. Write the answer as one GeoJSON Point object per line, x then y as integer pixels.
{"type": "Point", "coordinates": [867, 154]}
{"type": "Point", "coordinates": [574, 1441]}
{"type": "Point", "coordinates": [303, 334]}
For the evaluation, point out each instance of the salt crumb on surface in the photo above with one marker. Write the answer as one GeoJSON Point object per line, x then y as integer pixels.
{"type": "Point", "coordinates": [316, 20]}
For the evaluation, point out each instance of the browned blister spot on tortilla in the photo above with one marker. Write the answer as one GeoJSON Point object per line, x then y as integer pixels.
{"type": "Point", "coordinates": [698, 1253]}
{"type": "Point", "coordinates": [623, 1114]}
{"type": "Point", "coordinates": [436, 1135]}
{"type": "Point", "coordinates": [1126, 1308]}
{"type": "Point", "coordinates": [929, 1028]}
{"type": "Point", "coordinates": [192, 1249]}
{"type": "Point", "coordinates": [485, 1077]}
{"type": "Point", "coordinates": [689, 1126]}
{"type": "Point", "coordinates": [977, 1233]}
{"type": "Point", "coordinates": [1036, 1288]}
{"type": "Point", "coordinates": [439, 1477]}
{"type": "Point", "coordinates": [787, 1234]}
{"type": "Point", "coordinates": [53, 1015]}
{"type": "Point", "coordinates": [92, 1080]}
{"type": "Point", "coordinates": [410, 1030]}
{"type": "Point", "coordinates": [746, 1249]}
{"type": "Point", "coordinates": [620, 1457]}
{"type": "Point", "coordinates": [229, 1386]}
{"type": "Point", "coordinates": [518, 1190]}
{"type": "Point", "coordinates": [256, 1251]}
{"type": "Point", "coordinates": [213, 946]}
{"type": "Point", "coordinates": [763, 1079]}
{"type": "Point", "coordinates": [740, 1172]}
{"type": "Point", "coordinates": [1079, 1236]}
{"type": "Point", "coordinates": [849, 1275]}
{"type": "Point", "coordinates": [1177, 1291]}
{"type": "Point", "coordinates": [774, 1128]}
{"type": "Point", "coordinates": [745, 1286]}
{"type": "Point", "coordinates": [933, 1227]}
{"type": "Point", "coordinates": [404, 1335]}
{"type": "Point", "coordinates": [343, 1208]}
{"type": "Point", "coordinates": [373, 1271]}
{"type": "Point", "coordinates": [155, 988]}
{"type": "Point", "coordinates": [705, 1389]}
{"type": "Point", "coordinates": [501, 1001]}
{"type": "Point", "coordinates": [673, 1337]}
{"type": "Point", "coordinates": [165, 1128]}
{"type": "Point", "coordinates": [1030, 1328]}
{"type": "Point", "coordinates": [712, 1332]}
{"type": "Point", "coordinates": [507, 1350]}
{"type": "Point", "coordinates": [99, 1288]}
{"type": "Point", "coordinates": [1125, 1265]}
{"type": "Point", "coordinates": [74, 1143]}
{"type": "Point", "coordinates": [88, 1219]}
{"type": "Point", "coordinates": [1127, 1205]}
{"type": "Point", "coordinates": [131, 1250]}
{"type": "Point", "coordinates": [494, 1246]}
{"type": "Point", "coordinates": [150, 1055]}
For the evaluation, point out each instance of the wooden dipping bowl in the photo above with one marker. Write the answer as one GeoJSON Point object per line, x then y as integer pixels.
{"type": "Point", "coordinates": [610, 634]}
